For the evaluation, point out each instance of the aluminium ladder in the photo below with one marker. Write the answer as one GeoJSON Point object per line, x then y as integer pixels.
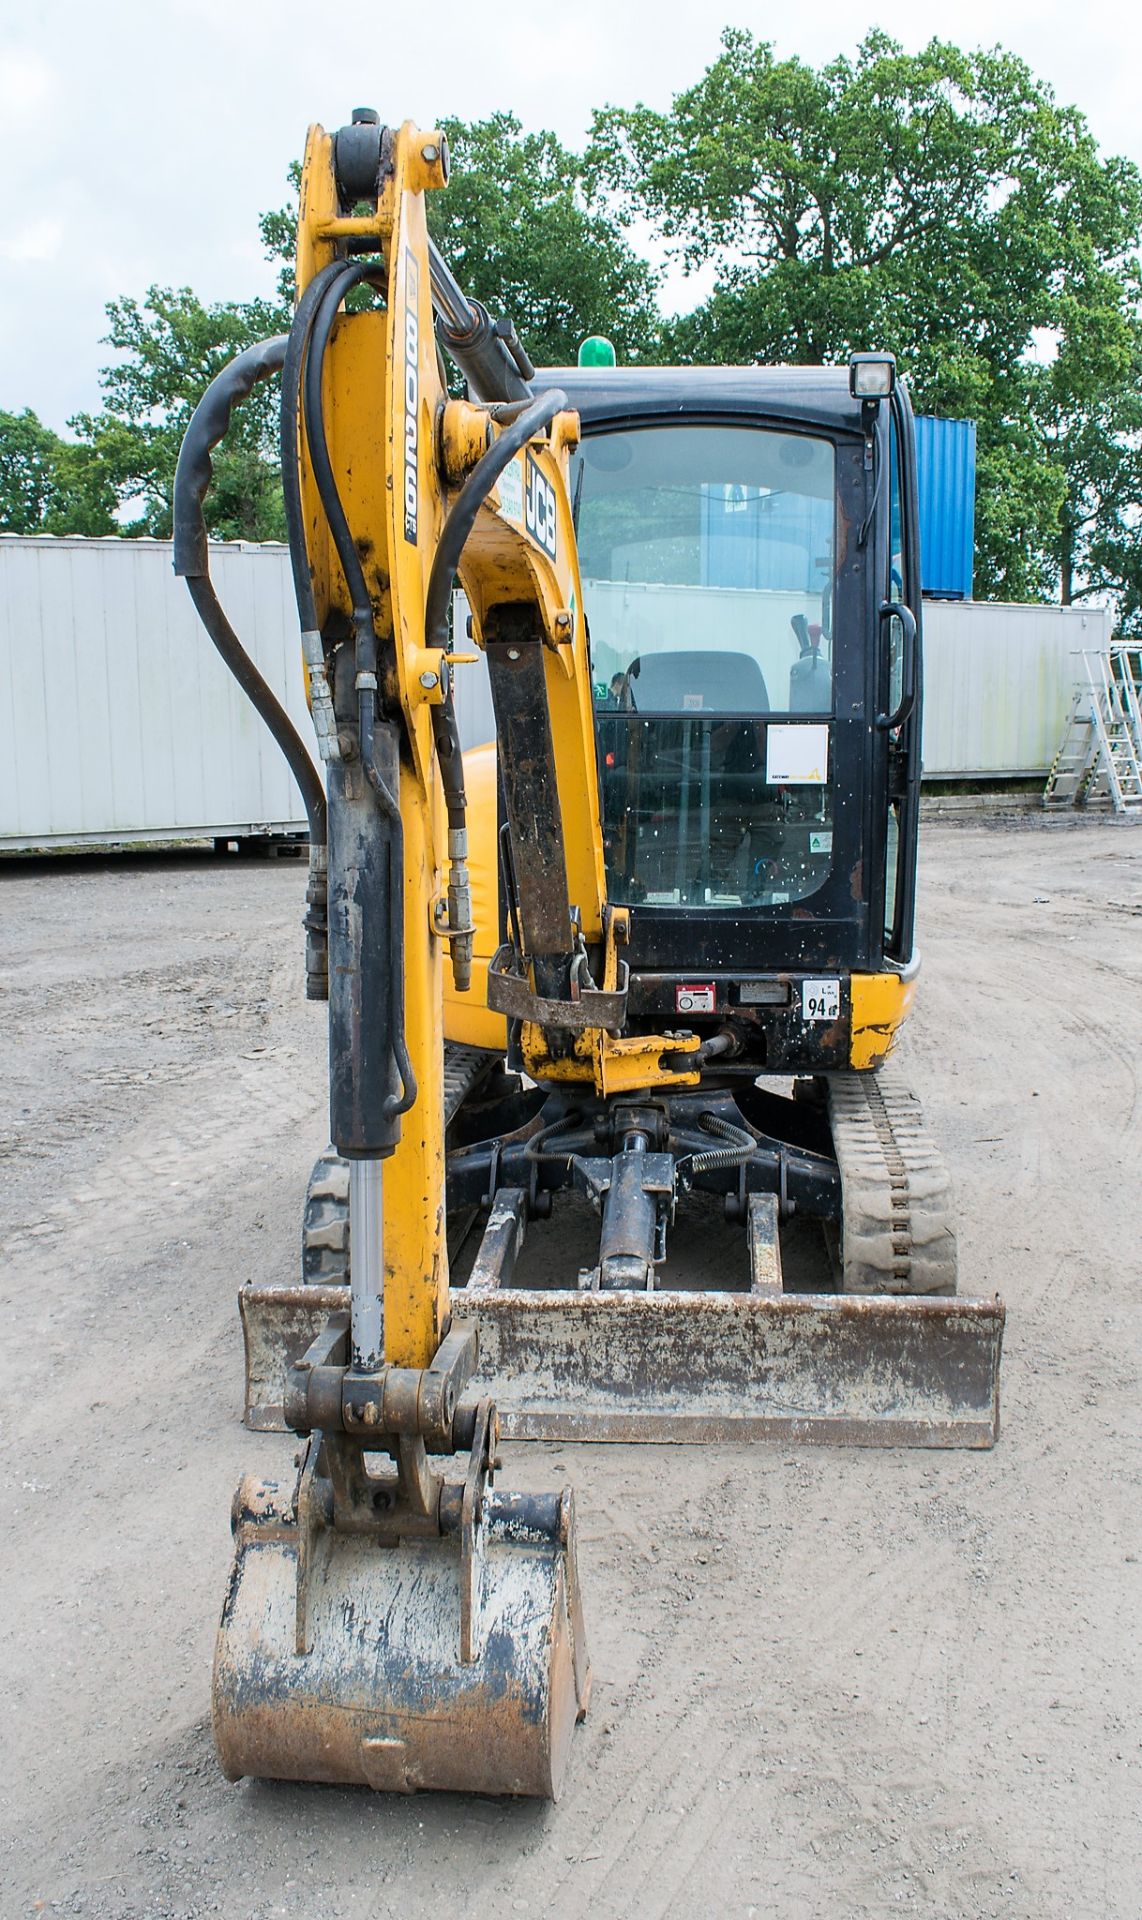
{"type": "Point", "coordinates": [1100, 755]}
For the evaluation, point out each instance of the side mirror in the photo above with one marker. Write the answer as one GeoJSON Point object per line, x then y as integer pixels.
{"type": "Point", "coordinates": [900, 623]}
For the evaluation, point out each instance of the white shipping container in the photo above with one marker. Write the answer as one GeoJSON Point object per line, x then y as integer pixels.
{"type": "Point", "coordinates": [118, 719]}
{"type": "Point", "coordinates": [998, 680]}
{"type": "Point", "coordinates": [119, 722]}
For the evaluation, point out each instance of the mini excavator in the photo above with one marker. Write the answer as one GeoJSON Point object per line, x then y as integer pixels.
{"type": "Point", "coordinates": [675, 897]}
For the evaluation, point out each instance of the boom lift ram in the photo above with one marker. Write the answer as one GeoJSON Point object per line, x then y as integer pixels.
{"type": "Point", "coordinates": [680, 885]}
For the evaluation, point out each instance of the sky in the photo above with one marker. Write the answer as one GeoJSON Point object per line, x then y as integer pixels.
{"type": "Point", "coordinates": [144, 137]}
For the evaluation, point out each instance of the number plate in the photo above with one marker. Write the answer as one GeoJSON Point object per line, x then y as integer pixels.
{"type": "Point", "coordinates": [820, 999]}
{"type": "Point", "coordinates": [700, 998]}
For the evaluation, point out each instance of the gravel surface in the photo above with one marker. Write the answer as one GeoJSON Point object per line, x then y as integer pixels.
{"type": "Point", "coordinates": [826, 1683]}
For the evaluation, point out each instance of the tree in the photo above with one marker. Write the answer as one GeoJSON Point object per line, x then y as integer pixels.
{"type": "Point", "coordinates": [515, 228]}
{"type": "Point", "coordinates": [50, 485]}
{"type": "Point", "coordinates": [27, 471]}
{"type": "Point", "coordinates": [1088, 407]}
{"type": "Point", "coordinates": [941, 205]}
{"type": "Point", "coordinates": [171, 347]}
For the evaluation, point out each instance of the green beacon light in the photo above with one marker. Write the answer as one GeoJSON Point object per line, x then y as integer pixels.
{"type": "Point", "coordinates": [596, 352]}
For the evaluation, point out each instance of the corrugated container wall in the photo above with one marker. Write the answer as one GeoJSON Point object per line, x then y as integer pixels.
{"type": "Point", "coordinates": [117, 717]}
{"type": "Point", "coordinates": [945, 472]}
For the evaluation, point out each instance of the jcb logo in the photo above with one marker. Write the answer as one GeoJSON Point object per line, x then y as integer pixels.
{"type": "Point", "coordinates": [411, 392]}
{"type": "Point", "coordinates": [539, 508]}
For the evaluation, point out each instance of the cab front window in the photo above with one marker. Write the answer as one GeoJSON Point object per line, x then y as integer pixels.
{"type": "Point", "coordinates": [708, 555]}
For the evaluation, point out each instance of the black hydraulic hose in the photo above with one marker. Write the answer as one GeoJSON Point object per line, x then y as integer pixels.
{"type": "Point", "coordinates": [720, 1159]}
{"type": "Point", "coordinates": [213, 618]}
{"type": "Point", "coordinates": [208, 424]}
{"type": "Point", "coordinates": [446, 733]}
{"type": "Point", "coordinates": [307, 372]}
{"type": "Point", "coordinates": [327, 307]}
{"type": "Point", "coordinates": [292, 370]}
{"type": "Point", "coordinates": [322, 318]}
{"type": "Point", "coordinates": [569, 1130]}
{"type": "Point", "coordinates": [477, 487]}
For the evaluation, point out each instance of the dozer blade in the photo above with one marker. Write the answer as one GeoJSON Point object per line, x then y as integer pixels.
{"type": "Point", "coordinates": [882, 1370]}
{"type": "Point", "coordinates": [833, 1369]}
{"type": "Point", "coordinates": [433, 1663]}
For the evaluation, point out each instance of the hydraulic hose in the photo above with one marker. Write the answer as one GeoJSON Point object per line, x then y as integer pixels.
{"type": "Point", "coordinates": [445, 731]}
{"type": "Point", "coordinates": [477, 487]}
{"type": "Point", "coordinates": [445, 560]}
{"type": "Point", "coordinates": [719, 1159]}
{"type": "Point", "coordinates": [323, 315]}
{"type": "Point", "coordinates": [208, 425]}
{"type": "Point", "coordinates": [311, 332]}
{"type": "Point", "coordinates": [569, 1130]}
{"type": "Point", "coordinates": [209, 422]}
{"type": "Point", "coordinates": [292, 369]}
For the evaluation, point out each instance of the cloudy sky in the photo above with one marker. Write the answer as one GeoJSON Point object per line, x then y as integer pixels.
{"type": "Point", "coordinates": [145, 136]}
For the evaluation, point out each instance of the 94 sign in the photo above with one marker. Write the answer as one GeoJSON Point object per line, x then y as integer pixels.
{"type": "Point", "coordinates": [820, 999]}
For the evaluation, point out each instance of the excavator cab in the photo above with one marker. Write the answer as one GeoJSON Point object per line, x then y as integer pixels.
{"type": "Point", "coordinates": [749, 552]}
{"type": "Point", "coordinates": [753, 623]}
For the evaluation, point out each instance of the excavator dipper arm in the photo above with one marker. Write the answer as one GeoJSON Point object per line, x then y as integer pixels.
{"type": "Point", "coordinates": [388, 1621]}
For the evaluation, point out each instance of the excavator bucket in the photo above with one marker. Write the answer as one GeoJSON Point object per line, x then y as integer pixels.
{"type": "Point", "coordinates": [457, 1663]}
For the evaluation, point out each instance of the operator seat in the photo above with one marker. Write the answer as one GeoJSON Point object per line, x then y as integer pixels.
{"type": "Point", "coordinates": [698, 680]}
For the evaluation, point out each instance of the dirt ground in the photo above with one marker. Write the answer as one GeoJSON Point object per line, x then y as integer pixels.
{"type": "Point", "coordinates": [826, 1684]}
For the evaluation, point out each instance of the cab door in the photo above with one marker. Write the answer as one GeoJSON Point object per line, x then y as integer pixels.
{"type": "Point", "coordinates": [900, 709]}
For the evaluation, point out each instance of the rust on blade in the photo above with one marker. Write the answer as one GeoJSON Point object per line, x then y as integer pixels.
{"type": "Point", "coordinates": [840, 1369]}
{"type": "Point", "coordinates": [875, 1370]}
{"type": "Point", "coordinates": [278, 1324]}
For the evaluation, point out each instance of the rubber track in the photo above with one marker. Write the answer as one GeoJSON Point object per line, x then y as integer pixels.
{"type": "Point", "coordinates": [325, 1221]}
{"type": "Point", "coordinates": [899, 1232]}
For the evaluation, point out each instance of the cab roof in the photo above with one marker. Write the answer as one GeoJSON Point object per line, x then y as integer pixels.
{"type": "Point", "coordinates": [817, 396]}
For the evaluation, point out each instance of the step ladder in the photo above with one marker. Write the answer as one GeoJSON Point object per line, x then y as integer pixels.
{"type": "Point", "coordinates": [1099, 761]}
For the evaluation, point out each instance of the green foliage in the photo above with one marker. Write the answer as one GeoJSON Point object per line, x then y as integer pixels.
{"type": "Point", "coordinates": [940, 205]}
{"type": "Point", "coordinates": [170, 348]}
{"type": "Point", "coordinates": [1087, 409]}
{"type": "Point", "coordinates": [515, 228]}
{"type": "Point", "coordinates": [49, 485]}
{"type": "Point", "coordinates": [278, 229]}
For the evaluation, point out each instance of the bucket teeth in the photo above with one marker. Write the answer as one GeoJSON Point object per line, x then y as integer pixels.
{"type": "Point", "coordinates": [341, 1659]}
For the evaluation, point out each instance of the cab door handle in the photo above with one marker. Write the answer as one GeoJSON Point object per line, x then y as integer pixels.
{"type": "Point", "coordinates": [888, 722]}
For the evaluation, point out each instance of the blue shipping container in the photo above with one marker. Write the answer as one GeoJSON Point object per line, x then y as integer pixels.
{"type": "Point", "coordinates": [945, 473]}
